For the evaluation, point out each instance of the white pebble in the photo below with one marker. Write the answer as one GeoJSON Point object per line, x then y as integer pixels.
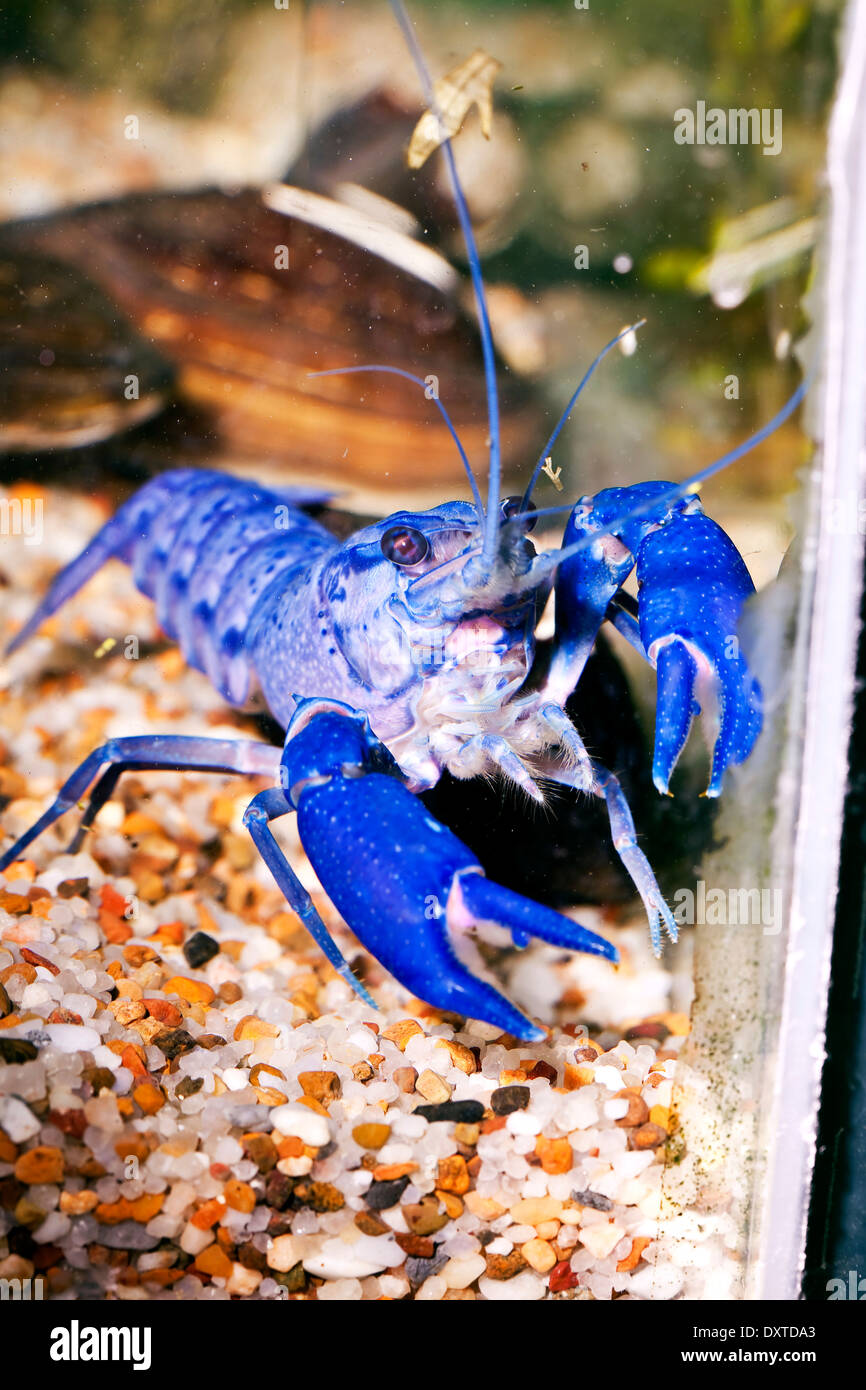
{"type": "Point", "coordinates": [193, 1241]}
{"type": "Point", "coordinates": [336, 1260]}
{"type": "Point", "coordinates": [460, 1273]}
{"type": "Point", "coordinates": [657, 1281]}
{"type": "Point", "coordinates": [17, 1119]}
{"type": "Point", "coordinates": [55, 1225]}
{"type": "Point", "coordinates": [525, 1287]}
{"type": "Point", "coordinates": [235, 1078]}
{"type": "Point", "coordinates": [501, 1246]}
{"type": "Point", "coordinates": [432, 1290]}
{"type": "Point", "coordinates": [523, 1122]}
{"type": "Point", "coordinates": [283, 1254]}
{"type": "Point", "coordinates": [609, 1077]}
{"type": "Point", "coordinates": [72, 1037]}
{"type": "Point", "coordinates": [341, 1290]}
{"type": "Point", "coordinates": [302, 1123]}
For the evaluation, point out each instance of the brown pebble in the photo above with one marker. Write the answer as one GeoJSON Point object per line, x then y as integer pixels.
{"type": "Point", "coordinates": [370, 1224]}
{"type": "Point", "coordinates": [138, 955]}
{"type": "Point", "coordinates": [34, 958]}
{"type": "Point", "coordinates": [164, 1011]}
{"type": "Point", "coordinates": [539, 1069]}
{"type": "Point", "coordinates": [405, 1078]}
{"type": "Point", "coordinates": [72, 1122]}
{"type": "Point", "coordinates": [638, 1110]}
{"type": "Point", "coordinates": [73, 888]}
{"type": "Point", "coordinates": [459, 1296]}
{"type": "Point", "coordinates": [251, 1257]}
{"type": "Point", "coordinates": [453, 1175]}
{"type": "Point", "coordinates": [190, 1086]}
{"type": "Point", "coordinates": [230, 992]}
{"type": "Point", "coordinates": [648, 1136]}
{"type": "Point", "coordinates": [320, 1196]}
{"type": "Point", "coordinates": [43, 1164]}
{"type": "Point", "coordinates": [262, 1151]}
{"type": "Point", "coordinates": [323, 1086]}
{"type": "Point", "coordinates": [6, 1004]}
{"type": "Point", "coordinates": [27, 1213]}
{"type": "Point", "coordinates": [65, 1016]}
{"type": "Point", "coordinates": [420, 1246]}
{"type": "Point", "coordinates": [210, 1041]}
{"type": "Point", "coordinates": [505, 1266]}
{"type": "Point", "coordinates": [424, 1218]}
{"type": "Point", "coordinates": [363, 1072]}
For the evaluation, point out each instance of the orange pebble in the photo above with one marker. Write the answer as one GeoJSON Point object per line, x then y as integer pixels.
{"type": "Point", "coordinates": [132, 1057]}
{"type": "Point", "coordinates": [149, 1097]}
{"type": "Point", "coordinates": [193, 991]}
{"type": "Point", "coordinates": [239, 1195]}
{"type": "Point", "coordinates": [555, 1155]}
{"type": "Point", "coordinates": [208, 1214]}
{"type": "Point", "coordinates": [250, 1028]}
{"type": "Point", "coordinates": [145, 1208]}
{"type": "Point", "coordinates": [213, 1261]}
{"type": "Point", "coordinates": [638, 1245]}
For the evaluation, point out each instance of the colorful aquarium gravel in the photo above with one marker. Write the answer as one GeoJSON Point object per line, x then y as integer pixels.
{"type": "Point", "coordinates": [194, 1105]}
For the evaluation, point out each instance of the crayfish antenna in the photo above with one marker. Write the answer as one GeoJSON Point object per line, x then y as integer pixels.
{"type": "Point", "coordinates": [491, 529]}
{"type": "Point", "coordinates": [563, 419]}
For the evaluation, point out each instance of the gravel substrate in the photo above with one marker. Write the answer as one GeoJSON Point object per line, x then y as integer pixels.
{"type": "Point", "coordinates": [192, 1103]}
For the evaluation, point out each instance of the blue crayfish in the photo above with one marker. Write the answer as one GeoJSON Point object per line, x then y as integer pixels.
{"type": "Point", "coordinates": [406, 650]}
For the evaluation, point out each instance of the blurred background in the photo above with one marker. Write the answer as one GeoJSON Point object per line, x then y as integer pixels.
{"type": "Point", "coordinates": [590, 215]}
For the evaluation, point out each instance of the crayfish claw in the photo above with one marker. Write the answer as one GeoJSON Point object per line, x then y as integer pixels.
{"type": "Point", "coordinates": [677, 674]}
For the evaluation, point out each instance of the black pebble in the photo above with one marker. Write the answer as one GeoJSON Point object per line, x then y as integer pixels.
{"type": "Point", "coordinates": [461, 1112]}
{"type": "Point", "coordinates": [593, 1199]}
{"type": "Point", "coordinates": [17, 1050]}
{"type": "Point", "coordinates": [418, 1269]}
{"type": "Point", "coordinates": [199, 949]}
{"type": "Point", "coordinates": [175, 1043]}
{"type": "Point", "coordinates": [382, 1195]}
{"type": "Point", "coordinates": [507, 1099]}
{"type": "Point", "coordinates": [188, 1087]}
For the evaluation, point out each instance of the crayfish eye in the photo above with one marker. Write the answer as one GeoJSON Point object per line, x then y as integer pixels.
{"type": "Point", "coordinates": [515, 506]}
{"type": "Point", "coordinates": [403, 545]}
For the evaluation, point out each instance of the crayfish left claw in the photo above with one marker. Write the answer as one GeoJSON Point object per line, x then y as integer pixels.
{"type": "Point", "coordinates": [692, 586]}
{"type": "Point", "coordinates": [408, 888]}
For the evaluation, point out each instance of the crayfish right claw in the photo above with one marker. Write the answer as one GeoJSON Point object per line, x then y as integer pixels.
{"type": "Point", "coordinates": [692, 587]}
